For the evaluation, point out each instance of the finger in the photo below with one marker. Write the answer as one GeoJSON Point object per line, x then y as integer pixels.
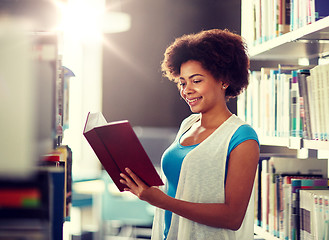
{"type": "Point", "coordinates": [124, 176]}
{"type": "Point", "coordinates": [136, 179]}
{"type": "Point", "coordinates": [123, 181]}
{"type": "Point", "coordinates": [126, 179]}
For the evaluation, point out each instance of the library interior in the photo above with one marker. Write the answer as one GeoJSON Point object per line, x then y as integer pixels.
{"type": "Point", "coordinates": [81, 64]}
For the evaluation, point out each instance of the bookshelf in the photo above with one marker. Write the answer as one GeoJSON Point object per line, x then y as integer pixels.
{"type": "Point", "coordinates": [35, 192]}
{"type": "Point", "coordinates": [309, 42]}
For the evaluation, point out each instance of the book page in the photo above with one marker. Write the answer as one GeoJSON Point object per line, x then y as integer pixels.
{"type": "Point", "coordinates": [94, 120]}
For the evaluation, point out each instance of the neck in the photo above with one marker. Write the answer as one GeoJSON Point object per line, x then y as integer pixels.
{"type": "Point", "coordinates": [214, 120]}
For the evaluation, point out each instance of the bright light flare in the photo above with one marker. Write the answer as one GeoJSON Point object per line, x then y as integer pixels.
{"type": "Point", "coordinates": [87, 20]}
{"type": "Point", "coordinates": [82, 19]}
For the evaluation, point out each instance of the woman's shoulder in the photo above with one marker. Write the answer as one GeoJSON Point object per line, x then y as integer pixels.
{"type": "Point", "coordinates": [245, 132]}
{"type": "Point", "coordinates": [246, 128]}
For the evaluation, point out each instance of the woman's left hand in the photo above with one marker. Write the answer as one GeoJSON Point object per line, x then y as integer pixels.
{"type": "Point", "coordinates": [136, 186]}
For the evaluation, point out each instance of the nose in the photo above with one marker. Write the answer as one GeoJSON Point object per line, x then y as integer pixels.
{"type": "Point", "coordinates": [187, 89]}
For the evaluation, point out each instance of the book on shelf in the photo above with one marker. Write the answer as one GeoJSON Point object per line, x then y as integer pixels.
{"type": "Point", "coordinates": [61, 157]}
{"type": "Point", "coordinates": [301, 75]}
{"type": "Point", "coordinates": [57, 178]}
{"type": "Point", "coordinates": [32, 208]}
{"type": "Point", "coordinates": [67, 74]}
{"type": "Point", "coordinates": [292, 102]}
{"type": "Point", "coordinates": [317, 84]}
{"type": "Point", "coordinates": [117, 147]}
{"type": "Point", "coordinates": [295, 107]}
{"type": "Point", "coordinates": [277, 209]}
{"type": "Point", "coordinates": [314, 213]}
{"type": "Point", "coordinates": [313, 84]}
{"type": "Point", "coordinates": [66, 159]}
{"type": "Point", "coordinates": [284, 16]}
{"type": "Point", "coordinates": [319, 9]}
{"type": "Point", "coordinates": [298, 184]}
{"type": "Point", "coordinates": [283, 109]}
{"type": "Point", "coordinates": [274, 18]}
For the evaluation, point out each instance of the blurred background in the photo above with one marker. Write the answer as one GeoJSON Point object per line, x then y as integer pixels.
{"type": "Point", "coordinates": [59, 60]}
{"type": "Point", "coordinates": [134, 63]}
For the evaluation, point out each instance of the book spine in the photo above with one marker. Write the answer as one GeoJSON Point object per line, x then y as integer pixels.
{"type": "Point", "coordinates": [316, 99]}
{"type": "Point", "coordinates": [265, 194]}
{"type": "Point", "coordinates": [274, 88]}
{"type": "Point", "coordinates": [286, 106]}
{"type": "Point", "coordinates": [241, 106]}
{"type": "Point", "coordinates": [258, 23]}
{"type": "Point", "coordinates": [326, 217]}
{"type": "Point", "coordinates": [276, 17]}
{"type": "Point", "coordinates": [249, 117]}
{"type": "Point", "coordinates": [294, 105]}
{"type": "Point", "coordinates": [296, 183]}
{"type": "Point", "coordinates": [256, 100]}
{"type": "Point", "coordinates": [265, 15]}
{"type": "Point", "coordinates": [319, 228]}
{"type": "Point", "coordinates": [305, 117]}
{"type": "Point", "coordinates": [321, 103]}
{"type": "Point", "coordinates": [279, 103]}
{"type": "Point", "coordinates": [321, 9]}
{"type": "Point", "coordinates": [323, 100]}
{"type": "Point", "coordinates": [57, 202]}
{"type": "Point", "coordinates": [309, 81]}
{"type": "Point", "coordinates": [326, 100]}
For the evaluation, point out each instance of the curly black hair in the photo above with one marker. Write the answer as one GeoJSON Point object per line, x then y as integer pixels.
{"type": "Point", "coordinates": [221, 52]}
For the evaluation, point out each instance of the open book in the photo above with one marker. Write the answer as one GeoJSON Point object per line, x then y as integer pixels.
{"type": "Point", "coordinates": [117, 147]}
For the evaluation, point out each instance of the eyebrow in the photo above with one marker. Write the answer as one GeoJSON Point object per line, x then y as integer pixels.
{"type": "Point", "coordinates": [192, 76]}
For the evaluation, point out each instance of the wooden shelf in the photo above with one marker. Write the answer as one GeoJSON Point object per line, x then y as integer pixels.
{"type": "Point", "coordinates": [310, 42]}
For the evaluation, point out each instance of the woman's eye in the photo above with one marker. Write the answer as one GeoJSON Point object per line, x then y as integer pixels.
{"type": "Point", "coordinates": [196, 81]}
{"type": "Point", "coordinates": [182, 84]}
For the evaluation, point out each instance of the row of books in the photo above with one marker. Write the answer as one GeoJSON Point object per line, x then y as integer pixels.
{"type": "Point", "coordinates": [36, 207]}
{"type": "Point", "coordinates": [286, 204]}
{"type": "Point", "coordinates": [62, 101]}
{"type": "Point", "coordinates": [61, 158]}
{"type": "Point", "coordinates": [33, 208]}
{"type": "Point", "coordinates": [275, 17]}
{"type": "Point", "coordinates": [288, 102]}
{"type": "Point", "coordinates": [314, 214]}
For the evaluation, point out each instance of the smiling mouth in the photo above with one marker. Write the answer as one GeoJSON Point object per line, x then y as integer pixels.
{"type": "Point", "coordinates": [193, 100]}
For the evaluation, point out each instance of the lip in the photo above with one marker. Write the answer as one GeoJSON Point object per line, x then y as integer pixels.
{"type": "Point", "coordinates": [193, 101]}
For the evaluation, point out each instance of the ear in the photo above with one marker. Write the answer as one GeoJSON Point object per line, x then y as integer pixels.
{"type": "Point", "coordinates": [224, 85]}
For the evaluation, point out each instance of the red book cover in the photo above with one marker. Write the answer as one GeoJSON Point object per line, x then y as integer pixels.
{"type": "Point", "coordinates": [117, 147]}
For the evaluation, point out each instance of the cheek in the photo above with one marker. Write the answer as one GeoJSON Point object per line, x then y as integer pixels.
{"type": "Point", "coordinates": [181, 92]}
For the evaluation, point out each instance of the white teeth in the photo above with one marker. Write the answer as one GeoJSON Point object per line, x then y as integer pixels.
{"type": "Point", "coordinates": [193, 100]}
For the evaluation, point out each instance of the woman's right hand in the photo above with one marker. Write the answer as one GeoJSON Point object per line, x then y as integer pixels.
{"type": "Point", "coordinates": [136, 186]}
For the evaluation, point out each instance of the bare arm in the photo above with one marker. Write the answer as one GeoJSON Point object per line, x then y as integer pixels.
{"type": "Point", "coordinates": [240, 177]}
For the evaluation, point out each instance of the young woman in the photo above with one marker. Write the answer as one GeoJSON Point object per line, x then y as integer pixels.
{"type": "Point", "coordinates": [211, 165]}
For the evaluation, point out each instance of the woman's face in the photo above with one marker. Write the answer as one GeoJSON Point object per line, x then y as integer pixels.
{"type": "Point", "coordinates": [199, 88]}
